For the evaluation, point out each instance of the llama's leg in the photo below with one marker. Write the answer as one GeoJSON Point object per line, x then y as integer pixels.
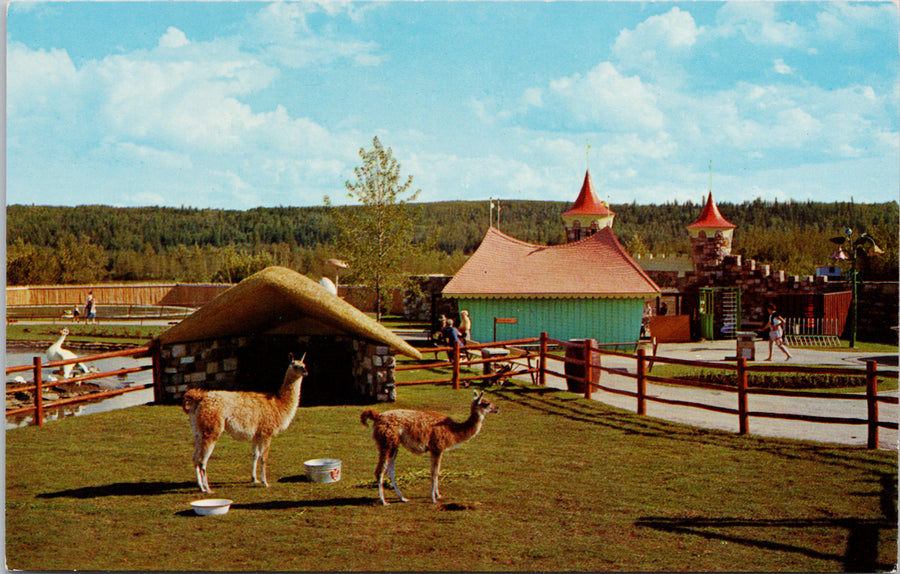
{"type": "Point", "coordinates": [383, 458]}
{"type": "Point", "coordinates": [391, 462]}
{"type": "Point", "coordinates": [264, 458]}
{"type": "Point", "coordinates": [435, 474]}
{"type": "Point", "coordinates": [205, 437]}
{"type": "Point", "coordinates": [200, 460]}
{"type": "Point", "coordinates": [255, 454]}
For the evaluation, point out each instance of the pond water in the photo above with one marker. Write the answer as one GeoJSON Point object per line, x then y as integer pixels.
{"type": "Point", "coordinates": [20, 356]}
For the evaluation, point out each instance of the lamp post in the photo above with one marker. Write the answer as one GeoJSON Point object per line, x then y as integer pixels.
{"type": "Point", "coordinates": [862, 245]}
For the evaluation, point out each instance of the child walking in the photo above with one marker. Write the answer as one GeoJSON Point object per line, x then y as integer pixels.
{"type": "Point", "coordinates": [775, 325]}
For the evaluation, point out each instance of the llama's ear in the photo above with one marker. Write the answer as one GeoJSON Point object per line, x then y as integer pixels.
{"type": "Point", "coordinates": [290, 357]}
{"type": "Point", "coordinates": [303, 358]}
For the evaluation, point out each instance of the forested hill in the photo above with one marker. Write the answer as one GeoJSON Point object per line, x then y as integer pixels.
{"type": "Point", "coordinates": [107, 243]}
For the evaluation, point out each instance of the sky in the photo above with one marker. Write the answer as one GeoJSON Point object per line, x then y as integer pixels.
{"type": "Point", "coordinates": [237, 105]}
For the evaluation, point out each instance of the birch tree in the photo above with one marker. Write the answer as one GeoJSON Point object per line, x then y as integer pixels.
{"type": "Point", "coordinates": [376, 235]}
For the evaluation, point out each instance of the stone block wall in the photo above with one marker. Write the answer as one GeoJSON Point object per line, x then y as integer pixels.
{"type": "Point", "coordinates": [708, 252]}
{"type": "Point", "coordinates": [208, 364]}
{"type": "Point", "coordinates": [373, 371]}
{"type": "Point", "coordinates": [223, 364]}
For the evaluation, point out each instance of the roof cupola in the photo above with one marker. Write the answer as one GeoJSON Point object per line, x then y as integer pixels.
{"type": "Point", "coordinates": [588, 215]}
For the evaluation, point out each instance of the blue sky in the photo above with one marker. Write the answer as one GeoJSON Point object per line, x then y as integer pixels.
{"type": "Point", "coordinates": [245, 104]}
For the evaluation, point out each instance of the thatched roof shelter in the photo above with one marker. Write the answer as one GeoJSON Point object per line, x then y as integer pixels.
{"type": "Point", "coordinates": [279, 301]}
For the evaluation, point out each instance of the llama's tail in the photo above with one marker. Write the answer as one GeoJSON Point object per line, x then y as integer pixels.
{"type": "Point", "coordinates": [191, 399]}
{"type": "Point", "coordinates": [368, 414]}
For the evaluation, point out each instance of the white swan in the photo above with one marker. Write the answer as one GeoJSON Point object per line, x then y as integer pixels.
{"type": "Point", "coordinates": [57, 353]}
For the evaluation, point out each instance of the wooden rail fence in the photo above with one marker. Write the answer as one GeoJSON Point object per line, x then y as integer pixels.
{"type": "Point", "coordinates": [38, 383]}
{"type": "Point", "coordinates": [533, 355]}
{"type": "Point", "coordinates": [530, 356]}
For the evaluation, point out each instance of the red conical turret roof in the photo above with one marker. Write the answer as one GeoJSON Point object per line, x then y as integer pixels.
{"type": "Point", "coordinates": [711, 218]}
{"type": "Point", "coordinates": [587, 202]}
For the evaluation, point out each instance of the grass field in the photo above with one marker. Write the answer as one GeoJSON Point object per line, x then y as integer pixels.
{"type": "Point", "coordinates": [101, 332]}
{"type": "Point", "coordinates": [553, 482]}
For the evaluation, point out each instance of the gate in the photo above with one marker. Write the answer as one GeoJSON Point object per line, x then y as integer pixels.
{"type": "Point", "coordinates": [719, 307]}
{"type": "Point", "coordinates": [706, 310]}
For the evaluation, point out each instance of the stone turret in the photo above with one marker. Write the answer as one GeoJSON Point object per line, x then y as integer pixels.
{"type": "Point", "coordinates": [711, 238]}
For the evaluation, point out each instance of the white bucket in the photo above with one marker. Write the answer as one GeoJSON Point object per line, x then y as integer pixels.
{"type": "Point", "coordinates": [211, 506]}
{"type": "Point", "coordinates": [323, 470]}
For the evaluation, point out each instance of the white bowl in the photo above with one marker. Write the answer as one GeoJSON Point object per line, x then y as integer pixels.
{"type": "Point", "coordinates": [323, 469]}
{"type": "Point", "coordinates": [211, 506]}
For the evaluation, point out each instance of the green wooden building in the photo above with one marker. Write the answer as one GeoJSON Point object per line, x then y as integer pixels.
{"type": "Point", "coordinates": [587, 288]}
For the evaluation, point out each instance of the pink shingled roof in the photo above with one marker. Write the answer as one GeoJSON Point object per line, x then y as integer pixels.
{"type": "Point", "coordinates": [587, 202]}
{"type": "Point", "coordinates": [596, 266]}
{"type": "Point", "coordinates": [710, 217]}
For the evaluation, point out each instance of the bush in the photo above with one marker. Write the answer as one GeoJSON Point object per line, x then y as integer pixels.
{"type": "Point", "coordinates": [786, 380]}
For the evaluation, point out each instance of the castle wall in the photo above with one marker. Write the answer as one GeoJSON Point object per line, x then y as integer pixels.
{"type": "Point", "coordinates": [759, 284]}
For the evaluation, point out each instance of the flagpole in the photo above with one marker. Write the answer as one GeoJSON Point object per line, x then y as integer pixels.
{"type": "Point", "coordinates": [491, 212]}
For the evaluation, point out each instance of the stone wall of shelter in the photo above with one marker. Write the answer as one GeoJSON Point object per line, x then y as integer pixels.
{"type": "Point", "coordinates": [234, 364]}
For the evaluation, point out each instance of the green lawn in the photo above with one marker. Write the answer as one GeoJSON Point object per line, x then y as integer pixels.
{"type": "Point", "coordinates": [100, 332]}
{"type": "Point", "coordinates": [553, 482]}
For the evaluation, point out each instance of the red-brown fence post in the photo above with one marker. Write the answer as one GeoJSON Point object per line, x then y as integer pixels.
{"type": "Point", "coordinates": [38, 393]}
{"type": "Point", "coordinates": [456, 354]}
{"type": "Point", "coordinates": [542, 361]}
{"type": "Point", "coordinates": [872, 402]}
{"type": "Point", "coordinates": [641, 383]}
{"type": "Point", "coordinates": [156, 361]}
{"type": "Point", "coordinates": [742, 394]}
{"type": "Point", "coordinates": [588, 368]}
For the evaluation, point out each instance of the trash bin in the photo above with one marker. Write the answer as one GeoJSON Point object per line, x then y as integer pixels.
{"type": "Point", "coordinates": [491, 353]}
{"type": "Point", "coordinates": [575, 373]}
{"type": "Point", "coordinates": [746, 345]}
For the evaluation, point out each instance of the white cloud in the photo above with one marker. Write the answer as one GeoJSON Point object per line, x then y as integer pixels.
{"type": "Point", "coordinates": [173, 38]}
{"type": "Point", "coordinates": [759, 23]}
{"type": "Point", "coordinates": [782, 68]}
{"type": "Point", "coordinates": [627, 149]}
{"type": "Point", "coordinates": [658, 42]}
{"type": "Point", "coordinates": [180, 111]}
{"type": "Point", "coordinates": [38, 79]}
{"type": "Point", "coordinates": [848, 22]}
{"type": "Point", "coordinates": [605, 98]}
{"type": "Point", "coordinates": [283, 30]}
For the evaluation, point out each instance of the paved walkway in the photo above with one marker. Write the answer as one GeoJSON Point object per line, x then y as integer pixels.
{"type": "Point", "coordinates": [719, 351]}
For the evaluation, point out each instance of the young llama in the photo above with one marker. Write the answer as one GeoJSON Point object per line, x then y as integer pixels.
{"type": "Point", "coordinates": [245, 415]}
{"type": "Point", "coordinates": [420, 431]}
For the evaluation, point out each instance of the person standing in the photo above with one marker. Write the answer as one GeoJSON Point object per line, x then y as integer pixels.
{"type": "Point", "coordinates": [451, 337]}
{"type": "Point", "coordinates": [465, 326]}
{"type": "Point", "coordinates": [775, 325]}
{"type": "Point", "coordinates": [90, 309]}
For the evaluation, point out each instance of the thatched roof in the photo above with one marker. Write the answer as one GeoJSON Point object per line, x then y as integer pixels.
{"type": "Point", "coordinates": [277, 300]}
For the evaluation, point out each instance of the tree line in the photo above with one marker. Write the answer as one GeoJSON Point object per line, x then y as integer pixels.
{"type": "Point", "coordinates": [96, 243]}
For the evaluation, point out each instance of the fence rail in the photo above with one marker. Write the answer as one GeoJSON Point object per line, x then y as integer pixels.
{"type": "Point", "coordinates": [38, 384]}
{"type": "Point", "coordinates": [535, 353]}
{"type": "Point", "coordinates": [530, 357]}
